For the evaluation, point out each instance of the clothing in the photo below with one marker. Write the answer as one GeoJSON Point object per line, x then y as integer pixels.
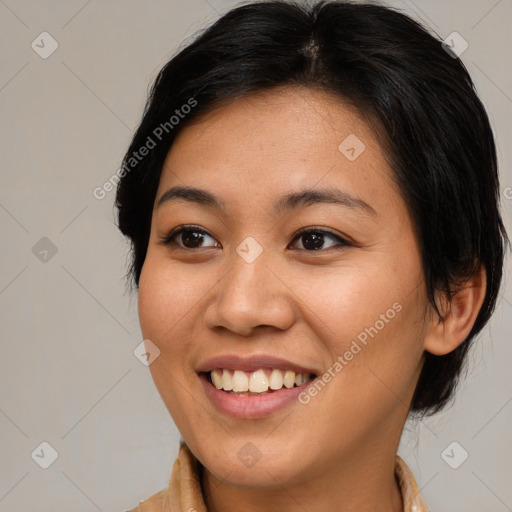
{"type": "Point", "coordinates": [184, 493]}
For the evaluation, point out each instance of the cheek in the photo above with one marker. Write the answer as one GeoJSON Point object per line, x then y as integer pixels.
{"type": "Point", "coordinates": [370, 315]}
{"type": "Point", "coordinates": [166, 298]}
{"type": "Point", "coordinates": [166, 302]}
{"type": "Point", "coordinates": [155, 303]}
{"type": "Point", "coordinates": [341, 302]}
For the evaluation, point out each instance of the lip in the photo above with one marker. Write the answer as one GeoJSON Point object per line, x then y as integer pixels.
{"type": "Point", "coordinates": [251, 364]}
{"type": "Point", "coordinates": [248, 407]}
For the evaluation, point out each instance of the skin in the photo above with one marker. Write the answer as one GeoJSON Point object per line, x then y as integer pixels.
{"type": "Point", "coordinates": [302, 305]}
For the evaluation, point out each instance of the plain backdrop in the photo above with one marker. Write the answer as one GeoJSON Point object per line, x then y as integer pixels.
{"type": "Point", "coordinates": [68, 327]}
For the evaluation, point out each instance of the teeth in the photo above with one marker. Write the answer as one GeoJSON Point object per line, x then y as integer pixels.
{"type": "Point", "coordinates": [240, 381]}
{"type": "Point", "coordinates": [276, 379]}
{"type": "Point", "coordinates": [256, 382]}
{"type": "Point", "coordinates": [227, 381]}
{"type": "Point", "coordinates": [217, 378]}
{"type": "Point", "coordinates": [289, 379]}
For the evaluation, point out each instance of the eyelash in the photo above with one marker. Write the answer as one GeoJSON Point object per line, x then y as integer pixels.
{"type": "Point", "coordinates": [169, 239]}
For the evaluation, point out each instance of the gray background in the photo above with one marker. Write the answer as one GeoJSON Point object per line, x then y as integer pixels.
{"type": "Point", "coordinates": [68, 328]}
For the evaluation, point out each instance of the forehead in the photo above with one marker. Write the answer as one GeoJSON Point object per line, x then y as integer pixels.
{"type": "Point", "coordinates": [279, 140]}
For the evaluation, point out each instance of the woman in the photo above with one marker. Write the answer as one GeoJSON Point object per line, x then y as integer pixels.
{"type": "Point", "coordinates": [312, 201]}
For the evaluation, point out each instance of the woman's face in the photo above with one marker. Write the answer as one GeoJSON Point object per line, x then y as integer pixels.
{"type": "Point", "coordinates": [298, 253]}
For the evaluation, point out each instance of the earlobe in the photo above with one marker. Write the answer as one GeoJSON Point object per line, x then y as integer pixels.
{"type": "Point", "coordinates": [460, 314]}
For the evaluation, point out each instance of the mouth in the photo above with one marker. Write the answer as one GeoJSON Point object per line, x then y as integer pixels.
{"type": "Point", "coordinates": [253, 387]}
{"type": "Point", "coordinates": [261, 382]}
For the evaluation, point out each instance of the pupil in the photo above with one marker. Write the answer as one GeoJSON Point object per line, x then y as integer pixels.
{"type": "Point", "coordinates": [190, 238]}
{"type": "Point", "coordinates": [315, 241]}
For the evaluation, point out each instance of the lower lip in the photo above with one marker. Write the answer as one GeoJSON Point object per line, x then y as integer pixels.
{"type": "Point", "coordinates": [251, 406]}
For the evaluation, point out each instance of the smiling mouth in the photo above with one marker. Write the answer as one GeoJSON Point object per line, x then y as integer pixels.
{"type": "Point", "coordinates": [258, 383]}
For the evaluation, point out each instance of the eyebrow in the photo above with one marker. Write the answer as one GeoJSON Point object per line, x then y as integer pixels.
{"type": "Point", "coordinates": [295, 200]}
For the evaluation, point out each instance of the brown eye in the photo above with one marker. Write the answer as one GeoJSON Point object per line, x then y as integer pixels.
{"type": "Point", "coordinates": [315, 240]}
{"type": "Point", "coordinates": [190, 238]}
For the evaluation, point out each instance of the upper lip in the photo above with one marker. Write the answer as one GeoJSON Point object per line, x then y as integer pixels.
{"type": "Point", "coordinates": [251, 364]}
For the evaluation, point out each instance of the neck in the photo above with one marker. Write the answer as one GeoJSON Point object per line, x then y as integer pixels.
{"type": "Point", "coordinates": [361, 481]}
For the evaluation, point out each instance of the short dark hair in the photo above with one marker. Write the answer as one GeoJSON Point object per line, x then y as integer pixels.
{"type": "Point", "coordinates": [434, 131]}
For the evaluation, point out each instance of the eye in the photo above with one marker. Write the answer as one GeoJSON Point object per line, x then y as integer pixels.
{"type": "Point", "coordinates": [313, 239]}
{"type": "Point", "coordinates": [189, 237]}
{"type": "Point", "coordinates": [310, 239]}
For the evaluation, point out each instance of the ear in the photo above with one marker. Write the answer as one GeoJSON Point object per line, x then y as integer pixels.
{"type": "Point", "coordinates": [459, 314]}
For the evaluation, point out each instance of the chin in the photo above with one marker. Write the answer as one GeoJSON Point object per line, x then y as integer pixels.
{"type": "Point", "coordinates": [242, 464]}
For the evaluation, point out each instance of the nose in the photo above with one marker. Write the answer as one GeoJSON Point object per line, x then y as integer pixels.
{"type": "Point", "coordinates": [250, 296]}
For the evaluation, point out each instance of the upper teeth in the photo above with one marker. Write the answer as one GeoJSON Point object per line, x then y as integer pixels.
{"type": "Point", "coordinates": [258, 381]}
